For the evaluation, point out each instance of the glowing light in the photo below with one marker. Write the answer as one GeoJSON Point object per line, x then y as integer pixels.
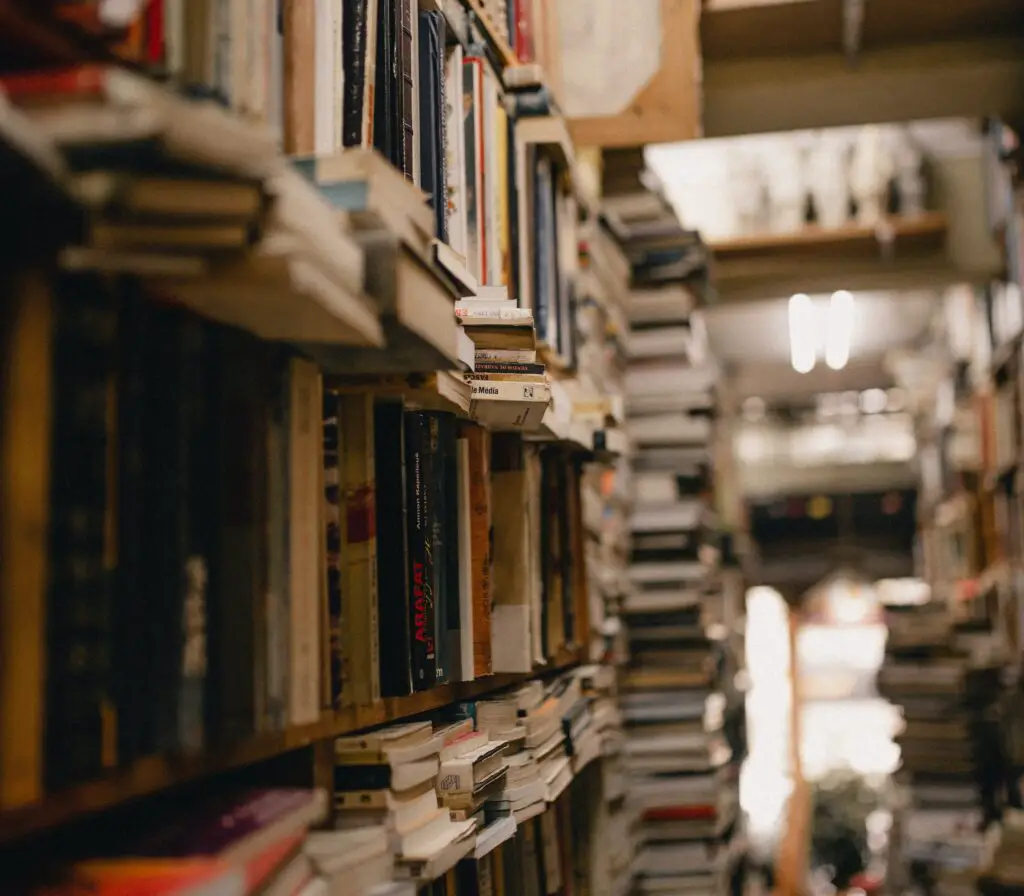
{"type": "Point", "coordinates": [803, 333]}
{"type": "Point", "coordinates": [838, 329]}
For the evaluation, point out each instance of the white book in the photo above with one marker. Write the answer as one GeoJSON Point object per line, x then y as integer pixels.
{"type": "Point", "coordinates": [490, 165]}
{"type": "Point", "coordinates": [683, 515]}
{"type": "Point", "coordinates": [455, 128]}
{"type": "Point", "coordinates": [324, 55]}
{"type": "Point", "coordinates": [492, 836]}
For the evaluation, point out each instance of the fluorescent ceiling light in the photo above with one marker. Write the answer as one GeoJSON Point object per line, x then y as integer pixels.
{"type": "Point", "coordinates": [838, 329]}
{"type": "Point", "coordinates": [803, 333]}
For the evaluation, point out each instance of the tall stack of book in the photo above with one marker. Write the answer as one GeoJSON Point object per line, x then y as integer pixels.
{"type": "Point", "coordinates": [602, 325]}
{"type": "Point", "coordinates": [950, 763]}
{"type": "Point", "coordinates": [674, 763]}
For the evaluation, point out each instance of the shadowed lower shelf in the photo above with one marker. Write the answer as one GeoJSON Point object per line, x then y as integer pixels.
{"type": "Point", "coordinates": [154, 774]}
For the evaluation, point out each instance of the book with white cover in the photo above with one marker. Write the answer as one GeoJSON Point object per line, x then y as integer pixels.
{"type": "Point", "coordinates": [661, 342]}
{"type": "Point", "coordinates": [493, 835]}
{"type": "Point", "coordinates": [683, 572]}
{"type": "Point", "coordinates": [683, 515]}
{"type": "Point", "coordinates": [465, 772]}
{"type": "Point", "coordinates": [436, 848]}
{"type": "Point", "coordinates": [511, 404]}
{"type": "Point", "coordinates": [669, 429]}
{"type": "Point", "coordinates": [659, 376]}
{"type": "Point", "coordinates": [333, 851]}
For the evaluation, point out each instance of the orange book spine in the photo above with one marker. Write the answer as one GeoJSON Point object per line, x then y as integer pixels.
{"type": "Point", "coordinates": [480, 545]}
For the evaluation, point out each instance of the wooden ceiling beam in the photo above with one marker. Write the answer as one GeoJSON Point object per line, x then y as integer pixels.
{"type": "Point", "coordinates": [965, 78]}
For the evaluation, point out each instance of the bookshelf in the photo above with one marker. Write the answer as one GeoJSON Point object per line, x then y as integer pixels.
{"type": "Point", "coordinates": [922, 233]}
{"type": "Point", "coordinates": [317, 418]}
{"type": "Point", "coordinates": [156, 774]}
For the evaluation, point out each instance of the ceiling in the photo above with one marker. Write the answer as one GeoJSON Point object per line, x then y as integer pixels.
{"type": "Point", "coordinates": [751, 343]}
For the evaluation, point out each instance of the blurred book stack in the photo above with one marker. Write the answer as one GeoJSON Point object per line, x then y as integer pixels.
{"type": "Point", "coordinates": [245, 842]}
{"type": "Point", "coordinates": [1004, 874]}
{"type": "Point", "coordinates": [950, 763]}
{"type": "Point", "coordinates": [392, 777]}
{"type": "Point", "coordinates": [677, 783]}
{"type": "Point", "coordinates": [183, 194]}
{"type": "Point", "coordinates": [601, 367]}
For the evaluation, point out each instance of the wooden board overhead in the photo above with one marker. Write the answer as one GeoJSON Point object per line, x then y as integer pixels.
{"type": "Point", "coordinates": [786, 28]}
{"type": "Point", "coordinates": [632, 75]}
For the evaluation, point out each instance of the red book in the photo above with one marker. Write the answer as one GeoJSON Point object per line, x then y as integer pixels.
{"type": "Point", "coordinates": [155, 32]}
{"type": "Point", "coordinates": [523, 38]}
{"type": "Point", "coordinates": [681, 813]}
{"type": "Point", "coordinates": [78, 81]}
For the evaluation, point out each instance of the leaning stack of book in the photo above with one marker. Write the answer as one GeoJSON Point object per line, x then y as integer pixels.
{"type": "Point", "coordinates": [510, 387]}
{"type": "Point", "coordinates": [660, 250]}
{"type": "Point", "coordinates": [949, 753]}
{"type": "Point", "coordinates": [243, 842]}
{"type": "Point", "coordinates": [392, 778]}
{"type": "Point", "coordinates": [602, 325]}
{"type": "Point", "coordinates": [198, 203]}
{"type": "Point", "coordinates": [677, 780]}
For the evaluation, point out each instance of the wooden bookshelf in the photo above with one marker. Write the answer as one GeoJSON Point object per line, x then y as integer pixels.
{"type": "Point", "coordinates": [927, 231]}
{"type": "Point", "coordinates": [155, 774]}
{"type": "Point", "coordinates": [900, 253]}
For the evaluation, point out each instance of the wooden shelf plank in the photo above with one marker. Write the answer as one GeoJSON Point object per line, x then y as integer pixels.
{"type": "Point", "coordinates": [929, 228]}
{"type": "Point", "coordinates": [155, 774]}
{"type": "Point", "coordinates": [739, 29]}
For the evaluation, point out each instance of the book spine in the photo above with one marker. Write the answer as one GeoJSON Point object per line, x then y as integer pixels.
{"type": "Point", "coordinates": [333, 532]}
{"type": "Point", "coordinates": [406, 88]}
{"type": "Point", "coordinates": [304, 540]}
{"type": "Point", "coordinates": [481, 536]}
{"type": "Point", "coordinates": [464, 638]}
{"type": "Point", "coordinates": [419, 472]}
{"type": "Point", "coordinates": [80, 729]}
{"type": "Point", "coordinates": [26, 341]}
{"type": "Point", "coordinates": [200, 476]}
{"type": "Point", "coordinates": [277, 611]}
{"type": "Point", "coordinates": [354, 61]}
{"type": "Point", "coordinates": [511, 367]}
{"type": "Point", "coordinates": [359, 549]}
{"type": "Point", "coordinates": [392, 551]}
{"type": "Point", "coordinates": [238, 570]}
{"type": "Point", "coordinates": [503, 356]}
{"type": "Point", "coordinates": [439, 485]}
{"type": "Point", "coordinates": [449, 608]}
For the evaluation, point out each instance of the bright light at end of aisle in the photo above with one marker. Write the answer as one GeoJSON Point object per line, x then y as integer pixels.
{"type": "Point", "coordinates": [803, 333]}
{"type": "Point", "coordinates": [838, 328]}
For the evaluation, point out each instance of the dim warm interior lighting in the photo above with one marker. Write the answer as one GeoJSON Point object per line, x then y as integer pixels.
{"type": "Point", "coordinates": [838, 329]}
{"type": "Point", "coordinates": [803, 333]}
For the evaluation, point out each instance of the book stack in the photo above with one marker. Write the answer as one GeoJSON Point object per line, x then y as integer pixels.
{"type": "Point", "coordinates": [677, 781]}
{"type": "Point", "coordinates": [1004, 874]}
{"type": "Point", "coordinates": [661, 252]}
{"type": "Point", "coordinates": [196, 202]}
{"type": "Point", "coordinates": [411, 277]}
{"type": "Point", "coordinates": [534, 721]}
{"type": "Point", "coordinates": [509, 387]}
{"type": "Point", "coordinates": [392, 776]}
{"type": "Point", "coordinates": [949, 753]}
{"type": "Point", "coordinates": [243, 842]}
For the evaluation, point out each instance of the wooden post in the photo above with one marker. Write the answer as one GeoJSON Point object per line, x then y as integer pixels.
{"type": "Point", "coordinates": [791, 866]}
